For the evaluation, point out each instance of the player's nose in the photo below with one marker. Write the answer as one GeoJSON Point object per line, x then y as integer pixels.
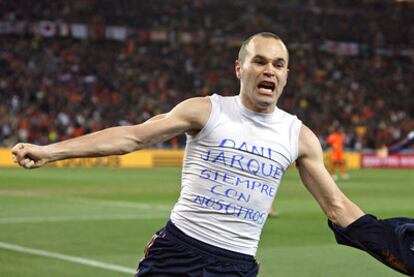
{"type": "Point", "coordinates": [269, 70]}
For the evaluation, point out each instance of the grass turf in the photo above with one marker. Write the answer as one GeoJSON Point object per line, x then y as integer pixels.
{"type": "Point", "coordinates": [108, 215]}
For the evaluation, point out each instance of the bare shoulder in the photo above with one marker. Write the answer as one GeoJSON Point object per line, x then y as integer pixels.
{"type": "Point", "coordinates": [195, 111]}
{"type": "Point", "coordinates": [309, 144]}
{"type": "Point", "coordinates": [196, 105]}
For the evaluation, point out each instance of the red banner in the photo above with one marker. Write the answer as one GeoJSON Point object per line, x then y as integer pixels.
{"type": "Point", "coordinates": [392, 161]}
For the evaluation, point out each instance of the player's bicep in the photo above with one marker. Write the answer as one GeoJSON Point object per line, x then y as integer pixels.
{"type": "Point", "coordinates": [310, 161]}
{"type": "Point", "coordinates": [187, 116]}
{"type": "Point", "coordinates": [317, 180]}
{"type": "Point", "coordinates": [157, 117]}
{"type": "Point", "coordinates": [313, 172]}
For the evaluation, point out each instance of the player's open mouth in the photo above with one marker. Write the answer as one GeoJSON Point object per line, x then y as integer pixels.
{"type": "Point", "coordinates": [266, 87]}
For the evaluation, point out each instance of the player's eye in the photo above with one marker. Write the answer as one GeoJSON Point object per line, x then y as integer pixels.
{"type": "Point", "coordinates": [259, 61]}
{"type": "Point", "coordinates": [279, 65]}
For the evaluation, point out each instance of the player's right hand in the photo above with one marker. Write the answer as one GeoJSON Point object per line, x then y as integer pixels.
{"type": "Point", "coordinates": [29, 155]}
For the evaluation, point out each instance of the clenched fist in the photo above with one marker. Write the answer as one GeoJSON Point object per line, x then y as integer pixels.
{"type": "Point", "coordinates": [29, 155]}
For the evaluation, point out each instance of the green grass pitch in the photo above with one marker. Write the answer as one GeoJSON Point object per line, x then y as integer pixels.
{"type": "Point", "coordinates": [108, 215]}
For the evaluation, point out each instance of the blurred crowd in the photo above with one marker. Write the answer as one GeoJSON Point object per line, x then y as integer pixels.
{"type": "Point", "coordinates": [57, 88]}
{"type": "Point", "coordinates": [369, 21]}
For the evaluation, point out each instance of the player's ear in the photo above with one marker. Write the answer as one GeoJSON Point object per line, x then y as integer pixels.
{"type": "Point", "coordinates": [237, 67]}
{"type": "Point", "coordinates": [287, 76]}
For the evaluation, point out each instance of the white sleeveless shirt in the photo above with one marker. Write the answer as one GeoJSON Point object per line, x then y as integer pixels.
{"type": "Point", "coordinates": [231, 173]}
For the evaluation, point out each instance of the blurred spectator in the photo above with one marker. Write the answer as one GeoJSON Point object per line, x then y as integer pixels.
{"type": "Point", "coordinates": [56, 88]}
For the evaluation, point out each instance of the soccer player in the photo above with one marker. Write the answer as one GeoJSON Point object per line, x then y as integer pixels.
{"type": "Point", "coordinates": [237, 150]}
{"type": "Point", "coordinates": [336, 141]}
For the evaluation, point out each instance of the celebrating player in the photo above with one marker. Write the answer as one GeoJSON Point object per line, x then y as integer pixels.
{"type": "Point", "coordinates": [237, 151]}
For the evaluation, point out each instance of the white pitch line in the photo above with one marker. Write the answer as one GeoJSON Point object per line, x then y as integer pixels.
{"type": "Point", "coordinates": [41, 219]}
{"type": "Point", "coordinates": [73, 259]}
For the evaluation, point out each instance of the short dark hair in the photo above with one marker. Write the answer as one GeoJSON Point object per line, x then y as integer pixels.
{"type": "Point", "coordinates": [242, 51]}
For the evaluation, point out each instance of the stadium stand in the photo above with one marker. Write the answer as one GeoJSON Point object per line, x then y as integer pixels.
{"type": "Point", "coordinates": [56, 84]}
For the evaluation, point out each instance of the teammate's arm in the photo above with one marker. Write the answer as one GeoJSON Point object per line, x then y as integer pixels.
{"type": "Point", "coordinates": [188, 116]}
{"type": "Point", "coordinates": [318, 181]}
{"type": "Point", "coordinates": [404, 144]}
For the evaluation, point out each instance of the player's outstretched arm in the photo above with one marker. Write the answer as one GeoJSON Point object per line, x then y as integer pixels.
{"type": "Point", "coordinates": [188, 116]}
{"type": "Point", "coordinates": [391, 241]}
{"type": "Point", "coordinates": [318, 181]}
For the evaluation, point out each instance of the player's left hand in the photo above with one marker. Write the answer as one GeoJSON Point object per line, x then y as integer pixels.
{"type": "Point", "coordinates": [382, 152]}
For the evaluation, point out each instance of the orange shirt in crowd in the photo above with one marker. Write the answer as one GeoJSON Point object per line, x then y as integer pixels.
{"type": "Point", "coordinates": [336, 141]}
